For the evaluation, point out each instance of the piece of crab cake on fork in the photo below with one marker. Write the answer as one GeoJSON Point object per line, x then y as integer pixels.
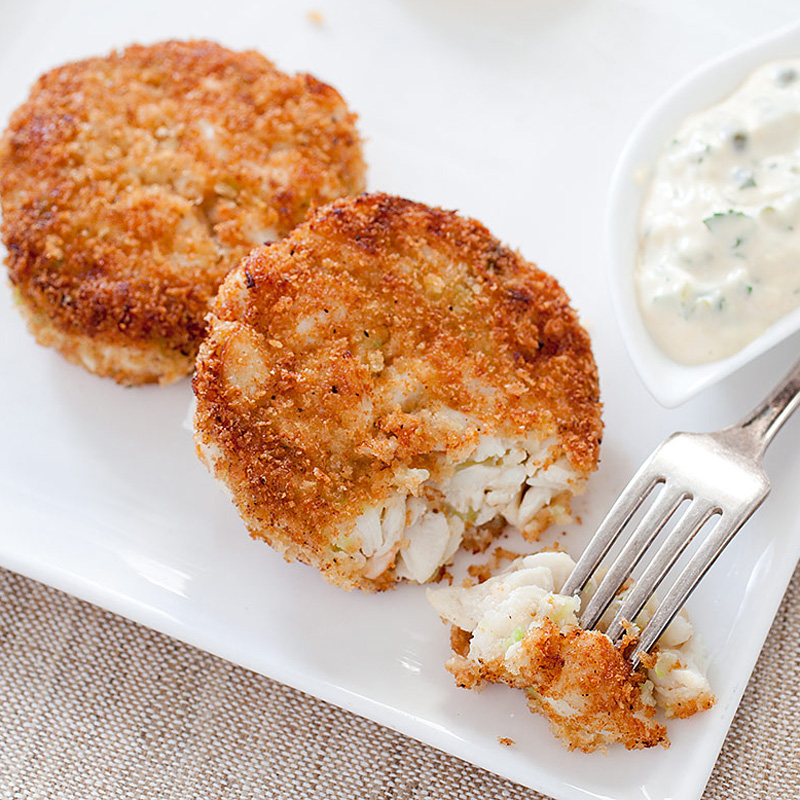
{"type": "Point", "coordinates": [517, 628]}
{"type": "Point", "coordinates": [390, 382]}
{"type": "Point", "coordinates": [132, 183]}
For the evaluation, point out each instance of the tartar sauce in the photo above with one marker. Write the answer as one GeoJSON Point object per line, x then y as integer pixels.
{"type": "Point", "coordinates": [719, 236]}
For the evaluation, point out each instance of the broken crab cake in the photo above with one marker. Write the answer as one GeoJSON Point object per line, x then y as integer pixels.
{"type": "Point", "coordinates": [389, 381]}
{"type": "Point", "coordinates": [515, 628]}
{"type": "Point", "coordinates": [132, 183]}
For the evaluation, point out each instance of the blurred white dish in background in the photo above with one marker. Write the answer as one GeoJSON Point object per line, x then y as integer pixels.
{"type": "Point", "coordinates": [668, 380]}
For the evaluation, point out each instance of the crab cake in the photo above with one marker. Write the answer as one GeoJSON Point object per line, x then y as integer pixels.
{"type": "Point", "coordinates": [517, 629]}
{"type": "Point", "coordinates": [389, 381]}
{"type": "Point", "coordinates": [132, 184]}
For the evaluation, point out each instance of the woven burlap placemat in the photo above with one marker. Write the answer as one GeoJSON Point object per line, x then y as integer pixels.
{"type": "Point", "coordinates": [95, 706]}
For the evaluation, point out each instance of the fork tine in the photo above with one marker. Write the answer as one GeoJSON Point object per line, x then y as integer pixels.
{"type": "Point", "coordinates": [691, 575]}
{"type": "Point", "coordinates": [676, 542]}
{"type": "Point", "coordinates": [657, 516]}
{"type": "Point", "coordinates": [625, 506]}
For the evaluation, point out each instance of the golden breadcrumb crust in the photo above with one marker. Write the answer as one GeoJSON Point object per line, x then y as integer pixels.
{"type": "Point", "coordinates": [687, 707]}
{"type": "Point", "coordinates": [132, 183]}
{"type": "Point", "coordinates": [333, 355]}
{"type": "Point", "coordinates": [681, 707]}
{"type": "Point", "coordinates": [563, 670]}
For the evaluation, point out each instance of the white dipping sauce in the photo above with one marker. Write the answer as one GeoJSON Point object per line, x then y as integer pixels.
{"type": "Point", "coordinates": [719, 236]}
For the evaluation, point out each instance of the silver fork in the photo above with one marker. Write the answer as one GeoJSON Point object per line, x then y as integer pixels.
{"type": "Point", "coordinates": [720, 475]}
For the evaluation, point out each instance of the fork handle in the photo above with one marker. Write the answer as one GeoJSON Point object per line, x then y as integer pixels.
{"type": "Point", "coordinates": [766, 419]}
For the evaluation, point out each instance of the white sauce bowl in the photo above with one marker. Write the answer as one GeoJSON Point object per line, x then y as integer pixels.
{"type": "Point", "coordinates": [672, 383]}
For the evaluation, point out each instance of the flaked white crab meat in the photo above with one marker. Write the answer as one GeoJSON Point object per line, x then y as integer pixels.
{"type": "Point", "coordinates": [499, 614]}
{"type": "Point", "coordinates": [419, 528]}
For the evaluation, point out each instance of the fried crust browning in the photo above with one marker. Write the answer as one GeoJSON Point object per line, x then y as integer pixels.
{"type": "Point", "coordinates": [331, 353]}
{"type": "Point", "coordinates": [577, 679]}
{"type": "Point", "coordinates": [132, 183]}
